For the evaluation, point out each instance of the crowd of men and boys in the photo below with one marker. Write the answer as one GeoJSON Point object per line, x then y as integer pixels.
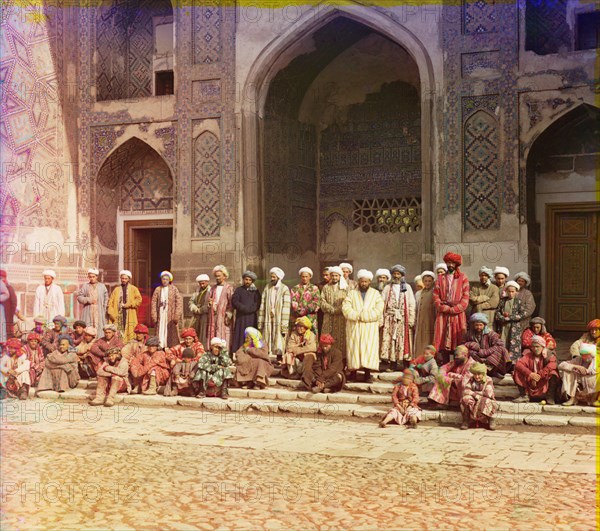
{"type": "Point", "coordinates": [448, 339]}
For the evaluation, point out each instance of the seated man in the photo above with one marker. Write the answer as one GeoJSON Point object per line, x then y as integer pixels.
{"type": "Point", "coordinates": [591, 337]}
{"type": "Point", "coordinates": [252, 364]}
{"type": "Point", "coordinates": [182, 381]}
{"type": "Point", "coordinates": [77, 332]}
{"type": "Point", "coordinates": [537, 327]}
{"type": "Point", "coordinates": [113, 375]}
{"type": "Point", "coordinates": [14, 371]}
{"type": "Point", "coordinates": [149, 369]}
{"type": "Point", "coordinates": [189, 339]}
{"type": "Point", "coordinates": [405, 397]}
{"type": "Point", "coordinates": [579, 379]}
{"type": "Point", "coordinates": [214, 370]}
{"type": "Point", "coordinates": [329, 367]}
{"type": "Point", "coordinates": [83, 349]}
{"type": "Point", "coordinates": [449, 382]}
{"type": "Point", "coordinates": [137, 344]}
{"type": "Point", "coordinates": [50, 336]}
{"type": "Point", "coordinates": [60, 371]}
{"type": "Point", "coordinates": [486, 346]}
{"type": "Point", "coordinates": [478, 403]}
{"type": "Point", "coordinates": [425, 369]}
{"type": "Point", "coordinates": [35, 355]}
{"type": "Point", "coordinates": [99, 349]}
{"type": "Point", "coordinates": [301, 352]}
{"type": "Point", "coordinates": [535, 373]}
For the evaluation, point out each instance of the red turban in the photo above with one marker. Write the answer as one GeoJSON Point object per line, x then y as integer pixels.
{"type": "Point", "coordinates": [141, 329]}
{"type": "Point", "coordinates": [13, 342]}
{"type": "Point", "coordinates": [326, 339]}
{"type": "Point", "coordinates": [189, 332]}
{"type": "Point", "coordinates": [2, 273]}
{"type": "Point", "coordinates": [453, 257]}
{"type": "Point", "coordinates": [33, 335]}
{"type": "Point", "coordinates": [593, 324]}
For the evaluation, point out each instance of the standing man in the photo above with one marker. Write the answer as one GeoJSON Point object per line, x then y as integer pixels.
{"type": "Point", "coordinates": [346, 282]}
{"type": "Point", "coordinates": [425, 319]}
{"type": "Point", "coordinates": [93, 296]}
{"type": "Point", "coordinates": [274, 314]}
{"type": "Point", "coordinates": [10, 306]}
{"type": "Point", "coordinates": [49, 299]}
{"type": "Point", "coordinates": [305, 299]}
{"type": "Point", "coordinates": [325, 278]}
{"type": "Point", "coordinates": [451, 298]}
{"type": "Point", "coordinates": [398, 320]}
{"type": "Point", "coordinates": [245, 302]}
{"type": "Point", "coordinates": [363, 310]}
{"type": "Point", "coordinates": [220, 309]}
{"type": "Point", "coordinates": [167, 309]}
{"type": "Point", "coordinates": [383, 277]}
{"type": "Point", "coordinates": [500, 277]}
{"type": "Point", "coordinates": [199, 309]}
{"type": "Point", "coordinates": [485, 297]}
{"type": "Point", "coordinates": [123, 305]}
{"type": "Point", "coordinates": [332, 298]}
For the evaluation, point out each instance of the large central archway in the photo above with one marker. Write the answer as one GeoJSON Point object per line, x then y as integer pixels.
{"type": "Point", "coordinates": [338, 167]}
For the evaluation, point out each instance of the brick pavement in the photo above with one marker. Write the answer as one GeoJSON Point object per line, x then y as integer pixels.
{"type": "Point", "coordinates": [166, 468]}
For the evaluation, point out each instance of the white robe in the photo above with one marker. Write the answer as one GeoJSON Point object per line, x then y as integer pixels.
{"type": "Point", "coordinates": [49, 304]}
{"type": "Point", "coordinates": [362, 328]}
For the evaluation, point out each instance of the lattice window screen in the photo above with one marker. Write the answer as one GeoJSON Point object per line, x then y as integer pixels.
{"type": "Point", "coordinates": [387, 215]}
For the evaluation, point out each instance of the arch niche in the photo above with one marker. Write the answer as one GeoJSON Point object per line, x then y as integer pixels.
{"type": "Point", "coordinates": [563, 219]}
{"type": "Point", "coordinates": [337, 131]}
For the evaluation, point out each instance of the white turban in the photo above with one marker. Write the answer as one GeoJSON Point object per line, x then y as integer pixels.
{"type": "Point", "coordinates": [336, 269]}
{"type": "Point", "coordinates": [49, 273]}
{"type": "Point", "coordinates": [501, 270]}
{"type": "Point", "coordinates": [428, 274]}
{"type": "Point", "coordinates": [383, 273]}
{"type": "Point", "coordinates": [93, 271]}
{"type": "Point", "coordinates": [486, 271]}
{"type": "Point", "coordinates": [513, 284]}
{"type": "Point", "coordinates": [218, 341]}
{"type": "Point", "coordinates": [441, 265]}
{"type": "Point", "coordinates": [346, 265]}
{"type": "Point", "coordinates": [127, 273]}
{"type": "Point", "coordinates": [363, 273]}
{"type": "Point", "coordinates": [278, 271]}
{"type": "Point", "coordinates": [306, 270]}
{"type": "Point", "coordinates": [524, 276]}
{"type": "Point", "coordinates": [221, 268]}
{"type": "Point", "coordinates": [202, 277]}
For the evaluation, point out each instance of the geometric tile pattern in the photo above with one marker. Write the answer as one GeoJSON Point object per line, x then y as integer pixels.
{"type": "Point", "coordinates": [134, 179]}
{"type": "Point", "coordinates": [208, 41]}
{"type": "Point", "coordinates": [124, 48]}
{"type": "Point", "coordinates": [481, 196]}
{"type": "Point", "coordinates": [387, 215]}
{"type": "Point", "coordinates": [207, 185]}
{"type": "Point", "coordinates": [32, 178]}
{"type": "Point", "coordinates": [479, 17]}
{"type": "Point", "coordinates": [546, 27]}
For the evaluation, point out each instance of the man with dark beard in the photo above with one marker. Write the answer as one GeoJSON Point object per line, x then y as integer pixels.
{"type": "Point", "coordinates": [199, 308]}
{"type": "Point", "coordinates": [451, 298]}
{"type": "Point", "coordinates": [123, 305]}
{"type": "Point", "coordinates": [245, 302]}
{"type": "Point", "coordinates": [486, 346]}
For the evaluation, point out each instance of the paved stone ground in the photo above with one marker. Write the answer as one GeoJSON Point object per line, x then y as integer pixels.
{"type": "Point", "coordinates": [68, 466]}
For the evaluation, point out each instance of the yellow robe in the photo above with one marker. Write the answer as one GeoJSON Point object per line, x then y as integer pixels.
{"type": "Point", "coordinates": [362, 328]}
{"type": "Point", "coordinates": [134, 300]}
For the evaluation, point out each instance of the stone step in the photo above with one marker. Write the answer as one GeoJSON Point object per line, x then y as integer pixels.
{"type": "Point", "coordinates": [321, 406]}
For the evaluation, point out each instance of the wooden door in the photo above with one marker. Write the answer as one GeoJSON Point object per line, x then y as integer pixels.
{"type": "Point", "coordinates": [573, 242]}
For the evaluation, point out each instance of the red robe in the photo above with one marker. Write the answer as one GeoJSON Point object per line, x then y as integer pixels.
{"type": "Point", "coordinates": [37, 361]}
{"type": "Point", "coordinates": [142, 364]}
{"type": "Point", "coordinates": [528, 334]}
{"type": "Point", "coordinates": [176, 352]}
{"type": "Point", "coordinates": [99, 348]}
{"type": "Point", "coordinates": [220, 317]}
{"type": "Point", "coordinates": [528, 363]}
{"type": "Point", "coordinates": [451, 320]}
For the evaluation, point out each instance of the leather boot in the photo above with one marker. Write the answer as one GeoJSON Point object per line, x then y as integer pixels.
{"type": "Point", "coordinates": [152, 387]}
{"type": "Point", "coordinates": [465, 421]}
{"type": "Point", "coordinates": [224, 391]}
{"type": "Point", "coordinates": [101, 388]}
{"type": "Point", "coordinates": [551, 394]}
{"type": "Point", "coordinates": [114, 387]}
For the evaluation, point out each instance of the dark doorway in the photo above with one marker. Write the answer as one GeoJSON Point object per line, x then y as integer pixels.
{"type": "Point", "coordinates": [149, 252]}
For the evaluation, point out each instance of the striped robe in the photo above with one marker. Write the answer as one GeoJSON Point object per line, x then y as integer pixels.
{"type": "Point", "coordinates": [274, 328]}
{"type": "Point", "coordinates": [362, 328]}
{"type": "Point", "coordinates": [451, 321]}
